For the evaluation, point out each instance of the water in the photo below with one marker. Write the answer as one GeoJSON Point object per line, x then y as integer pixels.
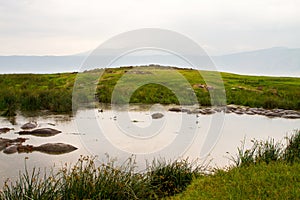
{"type": "Point", "coordinates": [123, 133]}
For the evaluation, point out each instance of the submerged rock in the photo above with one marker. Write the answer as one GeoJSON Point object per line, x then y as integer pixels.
{"type": "Point", "coordinates": [29, 125]}
{"type": "Point", "coordinates": [157, 115]}
{"type": "Point", "coordinates": [42, 132]}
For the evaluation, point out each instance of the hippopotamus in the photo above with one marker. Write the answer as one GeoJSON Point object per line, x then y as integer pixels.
{"type": "Point", "coordinates": [29, 125]}
{"type": "Point", "coordinates": [5, 130]}
{"type": "Point", "coordinates": [157, 115]}
{"type": "Point", "coordinates": [49, 148]}
{"type": "Point", "coordinates": [11, 149]}
{"type": "Point", "coordinates": [42, 132]}
{"type": "Point", "coordinates": [55, 148]}
{"type": "Point", "coordinates": [3, 143]}
{"type": "Point", "coordinates": [8, 142]}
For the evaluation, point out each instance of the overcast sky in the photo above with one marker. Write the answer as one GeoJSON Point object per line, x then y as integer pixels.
{"type": "Point", "coordinates": [61, 27]}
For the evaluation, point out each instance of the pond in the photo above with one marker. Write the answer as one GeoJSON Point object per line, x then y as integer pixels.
{"type": "Point", "coordinates": [120, 134]}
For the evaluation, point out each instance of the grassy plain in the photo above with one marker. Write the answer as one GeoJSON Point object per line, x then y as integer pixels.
{"type": "Point", "coordinates": [147, 85]}
{"type": "Point", "coordinates": [253, 91]}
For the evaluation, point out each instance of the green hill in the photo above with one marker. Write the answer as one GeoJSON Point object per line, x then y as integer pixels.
{"type": "Point", "coordinates": [28, 92]}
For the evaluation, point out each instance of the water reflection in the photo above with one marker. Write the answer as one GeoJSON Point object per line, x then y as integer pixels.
{"type": "Point", "coordinates": [106, 136]}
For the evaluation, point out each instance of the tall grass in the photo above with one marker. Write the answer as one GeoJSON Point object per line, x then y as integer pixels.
{"type": "Point", "coordinates": [269, 151]}
{"type": "Point", "coordinates": [261, 151]}
{"type": "Point", "coordinates": [31, 92]}
{"type": "Point", "coordinates": [85, 180]}
{"type": "Point", "coordinates": [292, 151]}
{"type": "Point", "coordinates": [34, 185]}
{"type": "Point", "coordinates": [170, 178]}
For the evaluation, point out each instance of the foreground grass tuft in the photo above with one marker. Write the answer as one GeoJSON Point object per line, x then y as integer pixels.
{"type": "Point", "coordinates": [269, 151]}
{"type": "Point", "coordinates": [170, 178]}
{"type": "Point", "coordinates": [292, 151]}
{"type": "Point", "coordinates": [108, 181]}
{"type": "Point", "coordinates": [261, 151]}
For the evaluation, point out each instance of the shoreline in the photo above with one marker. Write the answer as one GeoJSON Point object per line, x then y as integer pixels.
{"type": "Point", "coordinates": [189, 109]}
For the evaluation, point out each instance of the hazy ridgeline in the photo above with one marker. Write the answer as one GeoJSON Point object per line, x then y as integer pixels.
{"type": "Point", "coordinates": [29, 92]}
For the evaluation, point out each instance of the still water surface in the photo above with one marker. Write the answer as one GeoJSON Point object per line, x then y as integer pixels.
{"type": "Point", "coordinates": [121, 134]}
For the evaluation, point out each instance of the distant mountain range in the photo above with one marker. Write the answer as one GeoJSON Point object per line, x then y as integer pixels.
{"type": "Point", "coordinates": [277, 61]}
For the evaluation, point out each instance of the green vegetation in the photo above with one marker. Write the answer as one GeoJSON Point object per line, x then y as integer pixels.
{"type": "Point", "coordinates": [269, 171]}
{"type": "Point", "coordinates": [268, 151]}
{"type": "Point", "coordinates": [170, 178]}
{"type": "Point", "coordinates": [264, 181]}
{"type": "Point", "coordinates": [253, 91]}
{"type": "Point", "coordinates": [87, 181]}
{"type": "Point", "coordinates": [30, 92]}
{"type": "Point", "coordinates": [265, 171]}
{"type": "Point", "coordinates": [154, 84]}
{"type": "Point", "coordinates": [292, 151]}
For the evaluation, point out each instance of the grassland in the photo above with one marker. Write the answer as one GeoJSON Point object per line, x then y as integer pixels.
{"type": "Point", "coordinates": [28, 92]}
{"type": "Point", "coordinates": [263, 181]}
{"type": "Point", "coordinates": [253, 91]}
{"type": "Point", "coordinates": [268, 170]}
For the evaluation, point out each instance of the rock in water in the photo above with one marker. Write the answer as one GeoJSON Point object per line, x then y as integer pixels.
{"type": "Point", "coordinates": [55, 148]}
{"type": "Point", "coordinates": [157, 115]}
{"type": "Point", "coordinates": [42, 132]}
{"type": "Point", "coordinates": [29, 125]}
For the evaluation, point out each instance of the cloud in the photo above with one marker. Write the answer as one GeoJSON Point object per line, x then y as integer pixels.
{"type": "Point", "coordinates": [71, 26]}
